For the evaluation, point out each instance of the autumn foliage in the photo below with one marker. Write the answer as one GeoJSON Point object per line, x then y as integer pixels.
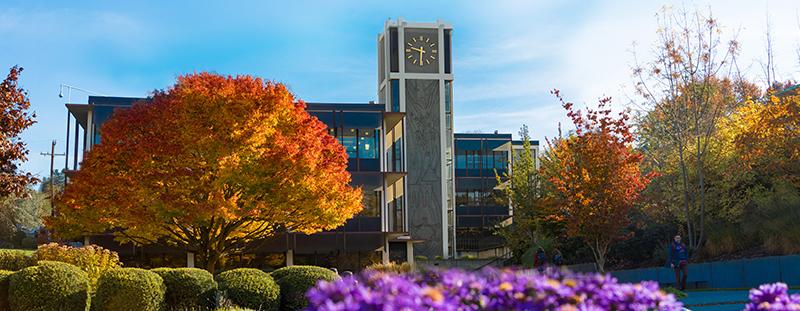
{"type": "Point", "coordinates": [14, 118]}
{"type": "Point", "coordinates": [595, 176]}
{"type": "Point", "coordinates": [212, 165]}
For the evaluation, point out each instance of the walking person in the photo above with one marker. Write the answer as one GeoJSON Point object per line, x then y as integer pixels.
{"type": "Point", "coordinates": [558, 259]}
{"type": "Point", "coordinates": [540, 260]}
{"type": "Point", "coordinates": [678, 261]}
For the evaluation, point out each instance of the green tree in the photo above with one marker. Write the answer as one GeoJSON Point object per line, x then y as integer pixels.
{"type": "Point", "coordinates": [525, 191]}
{"type": "Point", "coordinates": [20, 214]}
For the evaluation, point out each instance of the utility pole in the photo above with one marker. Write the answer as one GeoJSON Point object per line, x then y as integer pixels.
{"type": "Point", "coordinates": [52, 155]}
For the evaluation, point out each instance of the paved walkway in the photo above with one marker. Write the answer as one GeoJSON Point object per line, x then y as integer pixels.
{"type": "Point", "coordinates": [722, 300]}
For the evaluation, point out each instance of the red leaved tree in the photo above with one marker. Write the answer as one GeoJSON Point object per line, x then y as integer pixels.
{"type": "Point", "coordinates": [14, 118]}
{"type": "Point", "coordinates": [213, 164]}
{"type": "Point", "coordinates": [595, 176]}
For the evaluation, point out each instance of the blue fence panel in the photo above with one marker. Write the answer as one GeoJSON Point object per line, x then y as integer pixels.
{"type": "Point", "coordinates": [761, 270]}
{"type": "Point", "coordinates": [666, 275]}
{"type": "Point", "coordinates": [635, 275]}
{"type": "Point", "coordinates": [745, 273]}
{"type": "Point", "coordinates": [727, 274]}
{"type": "Point", "coordinates": [700, 274]}
{"type": "Point", "coordinates": [790, 270]}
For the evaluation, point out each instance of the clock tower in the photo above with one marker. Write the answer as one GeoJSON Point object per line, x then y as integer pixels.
{"type": "Point", "coordinates": [415, 82]}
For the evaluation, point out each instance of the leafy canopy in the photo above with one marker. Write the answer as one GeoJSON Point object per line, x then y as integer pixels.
{"type": "Point", "coordinates": [14, 118]}
{"type": "Point", "coordinates": [212, 164]}
{"type": "Point", "coordinates": [595, 175]}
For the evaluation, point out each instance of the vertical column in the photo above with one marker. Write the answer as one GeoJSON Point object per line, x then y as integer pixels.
{"type": "Point", "coordinates": [189, 260]}
{"type": "Point", "coordinates": [289, 258]}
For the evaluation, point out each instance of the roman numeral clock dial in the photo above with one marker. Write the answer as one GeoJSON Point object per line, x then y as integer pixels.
{"type": "Point", "coordinates": [421, 50]}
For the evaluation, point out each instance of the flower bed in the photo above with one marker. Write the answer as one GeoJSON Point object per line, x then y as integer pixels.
{"type": "Point", "coordinates": [773, 297]}
{"type": "Point", "coordinates": [488, 289]}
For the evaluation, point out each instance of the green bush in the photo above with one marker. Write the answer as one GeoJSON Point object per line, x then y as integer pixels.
{"type": "Point", "coordinates": [250, 288]}
{"type": "Point", "coordinates": [188, 288]}
{"type": "Point", "coordinates": [92, 259]}
{"type": "Point", "coordinates": [129, 289]}
{"type": "Point", "coordinates": [16, 259]}
{"type": "Point", "coordinates": [676, 292]}
{"type": "Point", "coordinates": [4, 289]}
{"type": "Point", "coordinates": [50, 286]}
{"type": "Point", "coordinates": [294, 282]}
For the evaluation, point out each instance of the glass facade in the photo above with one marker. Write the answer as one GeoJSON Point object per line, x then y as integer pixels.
{"type": "Point", "coordinates": [359, 132]}
{"type": "Point", "coordinates": [479, 208]}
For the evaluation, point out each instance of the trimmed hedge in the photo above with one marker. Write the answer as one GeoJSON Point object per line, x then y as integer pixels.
{"type": "Point", "coordinates": [250, 288]}
{"type": "Point", "coordinates": [4, 289]}
{"type": "Point", "coordinates": [50, 286]}
{"type": "Point", "coordinates": [188, 288]}
{"type": "Point", "coordinates": [129, 289]}
{"type": "Point", "coordinates": [16, 259]}
{"type": "Point", "coordinates": [294, 282]}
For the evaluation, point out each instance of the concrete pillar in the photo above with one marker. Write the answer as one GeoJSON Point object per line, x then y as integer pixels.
{"type": "Point", "coordinates": [189, 259]}
{"type": "Point", "coordinates": [385, 254]}
{"type": "Point", "coordinates": [410, 253]}
{"type": "Point", "coordinates": [87, 240]}
{"type": "Point", "coordinates": [289, 258]}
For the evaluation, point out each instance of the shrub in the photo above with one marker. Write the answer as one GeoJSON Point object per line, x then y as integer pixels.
{"type": "Point", "coordinates": [487, 289]}
{"type": "Point", "coordinates": [94, 260]}
{"type": "Point", "coordinates": [50, 286]}
{"type": "Point", "coordinates": [16, 259]}
{"type": "Point", "coordinates": [188, 288]}
{"type": "Point", "coordinates": [129, 289]}
{"type": "Point", "coordinates": [390, 267]}
{"type": "Point", "coordinates": [675, 292]}
{"type": "Point", "coordinates": [295, 281]}
{"type": "Point", "coordinates": [250, 288]}
{"type": "Point", "coordinates": [4, 289]}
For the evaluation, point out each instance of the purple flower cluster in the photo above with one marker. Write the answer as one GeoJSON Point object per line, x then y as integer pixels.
{"type": "Point", "coordinates": [773, 297]}
{"type": "Point", "coordinates": [489, 289]}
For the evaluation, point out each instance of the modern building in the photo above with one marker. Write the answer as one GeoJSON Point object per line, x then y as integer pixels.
{"type": "Point", "coordinates": [417, 200]}
{"type": "Point", "coordinates": [480, 159]}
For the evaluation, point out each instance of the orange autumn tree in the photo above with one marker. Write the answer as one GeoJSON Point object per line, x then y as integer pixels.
{"type": "Point", "coordinates": [212, 164]}
{"type": "Point", "coordinates": [595, 176]}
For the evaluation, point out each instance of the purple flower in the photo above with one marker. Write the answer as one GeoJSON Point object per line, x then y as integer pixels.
{"type": "Point", "coordinates": [773, 297]}
{"type": "Point", "coordinates": [488, 289]}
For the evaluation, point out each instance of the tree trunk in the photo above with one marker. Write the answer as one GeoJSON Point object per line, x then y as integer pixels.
{"type": "Point", "coordinates": [599, 250]}
{"type": "Point", "coordinates": [702, 181]}
{"type": "Point", "coordinates": [211, 258]}
{"type": "Point", "coordinates": [686, 197]}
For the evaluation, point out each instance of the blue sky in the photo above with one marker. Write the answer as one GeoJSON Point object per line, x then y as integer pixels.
{"type": "Point", "coordinates": [507, 54]}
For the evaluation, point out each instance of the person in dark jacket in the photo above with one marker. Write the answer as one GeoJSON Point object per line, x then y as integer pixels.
{"type": "Point", "coordinates": [558, 259]}
{"type": "Point", "coordinates": [678, 261]}
{"type": "Point", "coordinates": [540, 260]}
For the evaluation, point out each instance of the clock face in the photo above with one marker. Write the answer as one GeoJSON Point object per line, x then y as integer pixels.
{"type": "Point", "coordinates": [421, 50]}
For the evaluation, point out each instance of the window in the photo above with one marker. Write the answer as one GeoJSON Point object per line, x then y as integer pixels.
{"type": "Point", "coordinates": [371, 201]}
{"type": "Point", "coordinates": [368, 143]}
{"type": "Point", "coordinates": [447, 34]}
{"type": "Point", "coordinates": [396, 215]}
{"type": "Point", "coordinates": [348, 140]}
{"type": "Point", "coordinates": [395, 100]}
{"type": "Point", "coordinates": [461, 160]}
{"type": "Point", "coordinates": [394, 61]}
